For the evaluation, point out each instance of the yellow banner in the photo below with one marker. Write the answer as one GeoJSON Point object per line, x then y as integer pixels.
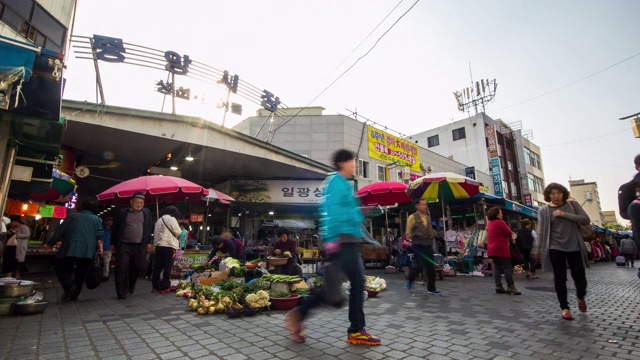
{"type": "Point", "coordinates": [389, 148]}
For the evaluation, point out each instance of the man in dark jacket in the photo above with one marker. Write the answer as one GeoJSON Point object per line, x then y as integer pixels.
{"type": "Point", "coordinates": [524, 242]}
{"type": "Point", "coordinates": [131, 240]}
{"type": "Point", "coordinates": [422, 236]}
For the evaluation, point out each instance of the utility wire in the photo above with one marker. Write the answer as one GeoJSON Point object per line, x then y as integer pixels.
{"type": "Point", "coordinates": [577, 141]}
{"type": "Point", "coordinates": [570, 84]}
{"type": "Point", "coordinates": [363, 40]}
{"type": "Point", "coordinates": [350, 67]}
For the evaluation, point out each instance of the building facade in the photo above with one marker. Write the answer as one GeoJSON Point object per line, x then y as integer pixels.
{"type": "Point", "coordinates": [33, 42]}
{"type": "Point", "coordinates": [318, 136]}
{"type": "Point", "coordinates": [494, 147]}
{"type": "Point", "coordinates": [609, 218]}
{"type": "Point", "coordinates": [586, 194]}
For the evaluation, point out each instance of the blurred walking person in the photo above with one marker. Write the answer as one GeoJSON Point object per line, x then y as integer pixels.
{"type": "Point", "coordinates": [559, 243]}
{"type": "Point", "coordinates": [341, 236]}
{"type": "Point", "coordinates": [420, 231]}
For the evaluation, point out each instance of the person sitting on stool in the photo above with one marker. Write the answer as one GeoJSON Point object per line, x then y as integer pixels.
{"type": "Point", "coordinates": [285, 246]}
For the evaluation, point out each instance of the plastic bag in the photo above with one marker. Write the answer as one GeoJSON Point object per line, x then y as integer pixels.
{"type": "Point", "coordinates": [37, 297]}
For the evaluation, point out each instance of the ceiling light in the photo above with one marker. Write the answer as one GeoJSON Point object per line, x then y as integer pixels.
{"type": "Point", "coordinates": [173, 167]}
{"type": "Point", "coordinates": [189, 157]}
{"type": "Point", "coordinates": [270, 212]}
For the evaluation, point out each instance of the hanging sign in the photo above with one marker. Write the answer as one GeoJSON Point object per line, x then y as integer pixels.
{"type": "Point", "coordinates": [496, 173]}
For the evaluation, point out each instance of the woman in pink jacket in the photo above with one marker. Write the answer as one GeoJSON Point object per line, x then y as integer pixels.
{"type": "Point", "coordinates": [499, 236]}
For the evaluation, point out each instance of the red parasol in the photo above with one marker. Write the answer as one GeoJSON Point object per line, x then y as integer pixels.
{"type": "Point", "coordinates": [383, 193]}
{"type": "Point", "coordinates": [155, 188]}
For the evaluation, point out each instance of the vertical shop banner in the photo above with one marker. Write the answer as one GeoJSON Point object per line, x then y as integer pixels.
{"type": "Point", "coordinates": [277, 191]}
{"type": "Point", "coordinates": [492, 139]}
{"type": "Point", "coordinates": [470, 172]}
{"type": "Point", "coordinates": [388, 148]}
{"type": "Point", "coordinates": [496, 172]}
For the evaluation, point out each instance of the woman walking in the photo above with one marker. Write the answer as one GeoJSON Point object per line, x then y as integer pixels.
{"type": "Point", "coordinates": [499, 238]}
{"type": "Point", "coordinates": [628, 249]}
{"type": "Point", "coordinates": [524, 242]}
{"type": "Point", "coordinates": [80, 239]}
{"type": "Point", "coordinates": [165, 239]}
{"type": "Point", "coordinates": [559, 242]}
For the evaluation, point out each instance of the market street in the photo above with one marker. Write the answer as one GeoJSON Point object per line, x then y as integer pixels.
{"type": "Point", "coordinates": [469, 321]}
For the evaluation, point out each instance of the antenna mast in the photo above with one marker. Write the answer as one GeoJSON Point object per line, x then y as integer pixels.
{"type": "Point", "coordinates": [479, 94]}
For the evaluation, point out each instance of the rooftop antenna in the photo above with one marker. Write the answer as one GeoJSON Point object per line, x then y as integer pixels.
{"type": "Point", "coordinates": [478, 95]}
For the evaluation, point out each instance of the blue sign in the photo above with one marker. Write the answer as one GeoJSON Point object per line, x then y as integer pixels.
{"type": "Point", "coordinates": [470, 172]}
{"type": "Point", "coordinates": [497, 176]}
{"type": "Point", "coordinates": [520, 208]}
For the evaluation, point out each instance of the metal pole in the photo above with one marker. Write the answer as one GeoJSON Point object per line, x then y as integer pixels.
{"type": "Point", "coordinates": [263, 124]}
{"type": "Point", "coordinates": [226, 107]}
{"type": "Point", "coordinates": [6, 176]}
{"type": "Point", "coordinates": [173, 93]}
{"type": "Point", "coordinates": [98, 77]}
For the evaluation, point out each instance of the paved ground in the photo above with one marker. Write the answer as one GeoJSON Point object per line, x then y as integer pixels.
{"type": "Point", "coordinates": [469, 321]}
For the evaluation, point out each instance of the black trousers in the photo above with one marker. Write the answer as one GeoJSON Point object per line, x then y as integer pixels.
{"type": "Point", "coordinates": [162, 265]}
{"type": "Point", "coordinates": [420, 262]}
{"type": "Point", "coordinates": [559, 260]}
{"type": "Point", "coordinates": [72, 271]}
{"type": "Point", "coordinates": [528, 263]}
{"type": "Point", "coordinates": [130, 261]}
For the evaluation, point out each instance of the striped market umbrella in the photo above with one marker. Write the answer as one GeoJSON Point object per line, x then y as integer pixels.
{"type": "Point", "coordinates": [441, 187]}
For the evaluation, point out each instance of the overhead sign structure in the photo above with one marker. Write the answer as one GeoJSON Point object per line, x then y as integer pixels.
{"type": "Point", "coordinates": [115, 50]}
{"type": "Point", "coordinates": [392, 149]}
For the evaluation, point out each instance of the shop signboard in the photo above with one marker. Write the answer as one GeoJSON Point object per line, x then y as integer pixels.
{"type": "Point", "coordinates": [493, 141]}
{"type": "Point", "coordinates": [59, 212]}
{"type": "Point", "coordinates": [277, 191]}
{"type": "Point", "coordinates": [46, 211]}
{"type": "Point", "coordinates": [527, 199]}
{"type": "Point", "coordinates": [392, 149]}
{"type": "Point", "coordinates": [470, 172]}
{"type": "Point", "coordinates": [510, 205]}
{"type": "Point", "coordinates": [496, 172]}
{"type": "Point", "coordinates": [196, 218]}
{"type": "Point", "coordinates": [15, 207]}
{"type": "Point", "coordinates": [191, 259]}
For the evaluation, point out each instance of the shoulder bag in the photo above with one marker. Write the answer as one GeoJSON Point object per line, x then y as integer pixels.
{"type": "Point", "coordinates": [483, 236]}
{"type": "Point", "coordinates": [586, 231]}
{"type": "Point", "coordinates": [179, 250]}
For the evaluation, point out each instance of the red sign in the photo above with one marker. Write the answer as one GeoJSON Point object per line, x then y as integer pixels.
{"type": "Point", "coordinates": [19, 208]}
{"type": "Point", "coordinates": [527, 199]}
{"type": "Point", "coordinates": [492, 141]}
{"type": "Point", "coordinates": [59, 212]}
{"type": "Point", "coordinates": [196, 218]}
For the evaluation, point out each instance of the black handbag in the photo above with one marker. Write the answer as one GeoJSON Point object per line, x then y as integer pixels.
{"type": "Point", "coordinates": [516, 255]}
{"type": "Point", "coordinates": [94, 273]}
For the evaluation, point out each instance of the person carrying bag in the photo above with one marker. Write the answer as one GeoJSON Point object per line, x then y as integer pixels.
{"type": "Point", "coordinates": [165, 239]}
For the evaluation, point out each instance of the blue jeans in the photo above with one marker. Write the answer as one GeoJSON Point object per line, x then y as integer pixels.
{"type": "Point", "coordinates": [349, 261]}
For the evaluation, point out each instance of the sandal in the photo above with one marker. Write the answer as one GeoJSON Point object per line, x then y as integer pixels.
{"type": "Point", "coordinates": [566, 314]}
{"type": "Point", "coordinates": [582, 305]}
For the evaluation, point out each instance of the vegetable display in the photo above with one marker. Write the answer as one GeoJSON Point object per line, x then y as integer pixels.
{"type": "Point", "coordinates": [282, 278]}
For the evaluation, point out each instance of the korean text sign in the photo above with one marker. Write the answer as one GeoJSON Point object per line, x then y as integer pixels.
{"type": "Point", "coordinates": [389, 148]}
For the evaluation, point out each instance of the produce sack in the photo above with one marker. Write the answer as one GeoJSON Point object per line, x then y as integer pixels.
{"type": "Point", "coordinates": [94, 273]}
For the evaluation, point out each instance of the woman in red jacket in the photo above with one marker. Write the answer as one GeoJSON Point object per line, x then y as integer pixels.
{"type": "Point", "coordinates": [499, 236]}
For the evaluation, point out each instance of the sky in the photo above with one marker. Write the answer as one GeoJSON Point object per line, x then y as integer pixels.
{"type": "Point", "coordinates": [567, 70]}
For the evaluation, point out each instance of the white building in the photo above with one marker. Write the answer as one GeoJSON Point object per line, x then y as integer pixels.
{"type": "Point", "coordinates": [318, 136]}
{"type": "Point", "coordinates": [491, 146]}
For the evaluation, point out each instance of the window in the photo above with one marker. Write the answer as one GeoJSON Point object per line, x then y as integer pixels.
{"type": "Point", "coordinates": [535, 183]}
{"type": "Point", "coordinates": [458, 134]}
{"type": "Point", "coordinates": [34, 23]}
{"type": "Point", "coordinates": [381, 173]}
{"type": "Point", "coordinates": [363, 168]}
{"type": "Point", "coordinates": [433, 141]}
